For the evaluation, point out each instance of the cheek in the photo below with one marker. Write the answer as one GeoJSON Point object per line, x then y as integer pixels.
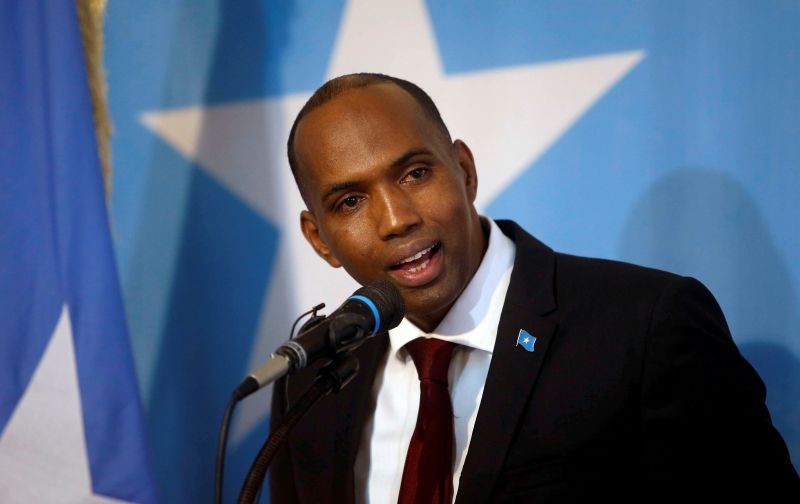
{"type": "Point", "coordinates": [353, 249]}
{"type": "Point", "coordinates": [449, 205]}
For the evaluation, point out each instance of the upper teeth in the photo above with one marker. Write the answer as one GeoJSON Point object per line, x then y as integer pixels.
{"type": "Point", "coordinates": [417, 255]}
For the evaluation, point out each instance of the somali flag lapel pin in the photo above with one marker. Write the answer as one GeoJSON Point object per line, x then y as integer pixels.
{"type": "Point", "coordinates": [526, 339]}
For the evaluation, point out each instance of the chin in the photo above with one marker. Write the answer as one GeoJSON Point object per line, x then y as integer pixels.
{"type": "Point", "coordinates": [429, 304]}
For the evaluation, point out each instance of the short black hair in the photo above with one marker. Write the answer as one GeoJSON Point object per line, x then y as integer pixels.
{"type": "Point", "coordinates": [338, 85]}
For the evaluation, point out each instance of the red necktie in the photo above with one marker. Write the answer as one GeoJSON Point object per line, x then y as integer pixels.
{"type": "Point", "coordinates": [428, 472]}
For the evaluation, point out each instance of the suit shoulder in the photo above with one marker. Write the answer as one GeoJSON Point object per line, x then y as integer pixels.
{"type": "Point", "coordinates": [607, 274]}
{"type": "Point", "coordinates": [593, 281]}
{"type": "Point", "coordinates": [537, 257]}
{"type": "Point", "coordinates": [583, 283]}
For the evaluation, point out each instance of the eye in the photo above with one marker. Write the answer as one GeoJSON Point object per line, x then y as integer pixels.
{"type": "Point", "coordinates": [416, 174]}
{"type": "Point", "coordinates": [349, 203]}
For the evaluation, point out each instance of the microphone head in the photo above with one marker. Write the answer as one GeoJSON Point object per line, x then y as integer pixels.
{"type": "Point", "coordinates": [387, 300]}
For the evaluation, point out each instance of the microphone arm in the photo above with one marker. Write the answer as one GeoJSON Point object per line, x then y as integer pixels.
{"type": "Point", "coordinates": [331, 378]}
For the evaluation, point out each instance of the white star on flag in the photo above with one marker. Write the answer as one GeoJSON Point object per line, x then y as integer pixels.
{"type": "Point", "coordinates": [508, 117]}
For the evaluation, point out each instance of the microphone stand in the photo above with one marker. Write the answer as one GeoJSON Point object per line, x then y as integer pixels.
{"type": "Point", "coordinates": [331, 378]}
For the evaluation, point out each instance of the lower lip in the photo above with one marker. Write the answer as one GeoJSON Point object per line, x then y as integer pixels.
{"type": "Point", "coordinates": [406, 278]}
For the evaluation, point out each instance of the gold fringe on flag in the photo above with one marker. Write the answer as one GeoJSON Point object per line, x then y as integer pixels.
{"type": "Point", "coordinates": [91, 14]}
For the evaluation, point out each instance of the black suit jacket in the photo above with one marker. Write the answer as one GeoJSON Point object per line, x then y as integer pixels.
{"type": "Point", "coordinates": [635, 391]}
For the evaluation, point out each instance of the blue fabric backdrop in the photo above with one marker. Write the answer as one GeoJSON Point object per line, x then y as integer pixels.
{"type": "Point", "coordinates": [686, 159]}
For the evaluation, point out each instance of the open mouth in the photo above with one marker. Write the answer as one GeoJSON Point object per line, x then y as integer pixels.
{"type": "Point", "coordinates": [419, 261]}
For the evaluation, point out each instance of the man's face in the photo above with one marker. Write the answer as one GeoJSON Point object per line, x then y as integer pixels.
{"type": "Point", "coordinates": [390, 197]}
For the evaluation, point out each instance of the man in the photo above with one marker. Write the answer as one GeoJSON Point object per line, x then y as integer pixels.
{"type": "Point", "coordinates": [572, 378]}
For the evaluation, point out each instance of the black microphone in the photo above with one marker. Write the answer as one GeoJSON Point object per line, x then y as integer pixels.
{"type": "Point", "coordinates": [371, 310]}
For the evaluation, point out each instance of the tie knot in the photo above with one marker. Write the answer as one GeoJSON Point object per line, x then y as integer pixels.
{"type": "Point", "coordinates": [431, 356]}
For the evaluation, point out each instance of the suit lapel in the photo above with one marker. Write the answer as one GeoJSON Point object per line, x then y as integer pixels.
{"type": "Point", "coordinates": [325, 442]}
{"type": "Point", "coordinates": [529, 305]}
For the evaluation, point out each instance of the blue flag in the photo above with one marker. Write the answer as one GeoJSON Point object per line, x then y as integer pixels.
{"type": "Point", "coordinates": [526, 340]}
{"type": "Point", "coordinates": [70, 413]}
{"type": "Point", "coordinates": [661, 133]}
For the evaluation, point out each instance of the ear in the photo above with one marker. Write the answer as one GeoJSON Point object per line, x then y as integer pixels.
{"type": "Point", "coordinates": [308, 224]}
{"type": "Point", "coordinates": [467, 163]}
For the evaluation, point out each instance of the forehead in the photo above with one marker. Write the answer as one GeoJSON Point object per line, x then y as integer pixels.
{"type": "Point", "coordinates": [360, 130]}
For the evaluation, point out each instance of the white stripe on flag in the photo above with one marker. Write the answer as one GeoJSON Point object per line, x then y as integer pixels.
{"type": "Point", "coordinates": [43, 448]}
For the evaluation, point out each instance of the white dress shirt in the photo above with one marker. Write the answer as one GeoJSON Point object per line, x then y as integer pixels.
{"type": "Point", "coordinates": [472, 323]}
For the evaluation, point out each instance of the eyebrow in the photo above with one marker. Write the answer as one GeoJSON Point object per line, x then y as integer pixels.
{"type": "Point", "coordinates": [338, 187]}
{"type": "Point", "coordinates": [397, 163]}
{"type": "Point", "coordinates": [405, 158]}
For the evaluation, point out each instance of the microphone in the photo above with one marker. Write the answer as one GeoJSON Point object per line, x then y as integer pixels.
{"type": "Point", "coordinates": [371, 310]}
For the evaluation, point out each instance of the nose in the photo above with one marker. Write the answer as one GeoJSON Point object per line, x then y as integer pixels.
{"type": "Point", "coordinates": [397, 213]}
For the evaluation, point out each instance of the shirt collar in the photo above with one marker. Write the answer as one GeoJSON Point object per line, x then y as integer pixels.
{"type": "Point", "coordinates": [472, 321]}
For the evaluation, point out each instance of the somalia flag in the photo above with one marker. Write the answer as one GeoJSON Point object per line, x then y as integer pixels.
{"type": "Point", "coordinates": [658, 132]}
{"type": "Point", "coordinates": [70, 416]}
{"type": "Point", "coordinates": [526, 340]}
